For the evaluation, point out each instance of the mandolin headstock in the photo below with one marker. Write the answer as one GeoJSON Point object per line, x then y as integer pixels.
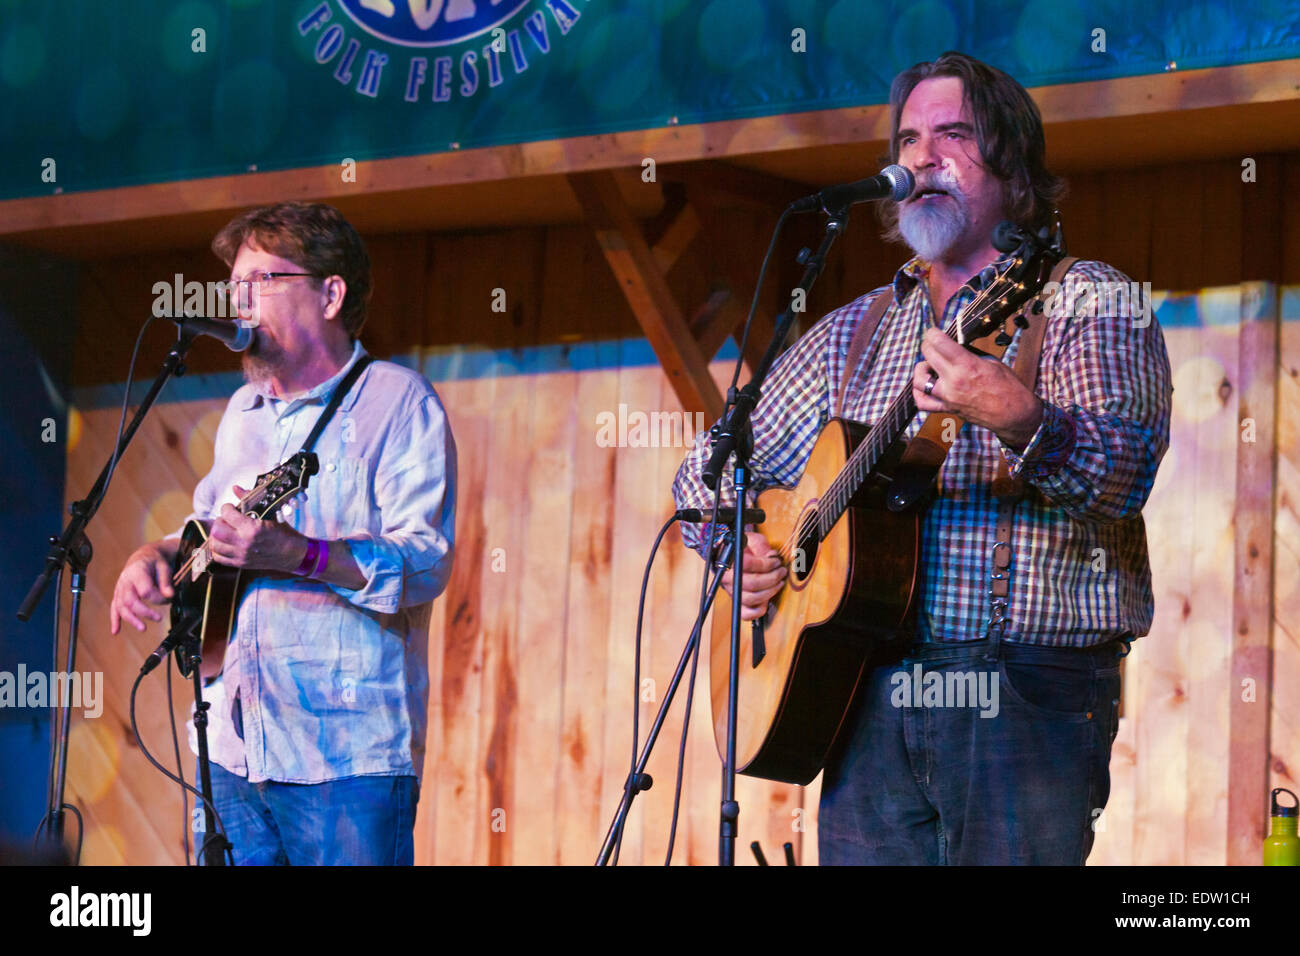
{"type": "Point", "coordinates": [279, 485]}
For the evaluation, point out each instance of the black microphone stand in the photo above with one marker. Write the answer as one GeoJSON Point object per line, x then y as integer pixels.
{"type": "Point", "coordinates": [74, 549]}
{"type": "Point", "coordinates": [734, 435]}
{"type": "Point", "coordinates": [186, 638]}
{"type": "Point", "coordinates": [638, 779]}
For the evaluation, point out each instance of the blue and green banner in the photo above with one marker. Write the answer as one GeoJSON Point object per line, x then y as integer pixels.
{"type": "Point", "coordinates": [97, 95]}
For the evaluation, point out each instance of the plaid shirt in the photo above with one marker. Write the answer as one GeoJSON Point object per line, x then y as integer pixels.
{"type": "Point", "coordinates": [1079, 573]}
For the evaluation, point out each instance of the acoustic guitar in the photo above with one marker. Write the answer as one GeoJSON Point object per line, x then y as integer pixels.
{"type": "Point", "coordinates": [207, 592]}
{"type": "Point", "coordinates": [849, 534]}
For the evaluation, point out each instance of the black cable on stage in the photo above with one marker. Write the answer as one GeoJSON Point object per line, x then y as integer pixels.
{"type": "Point", "coordinates": [636, 670]}
{"type": "Point", "coordinates": [180, 769]}
{"type": "Point", "coordinates": [135, 728]}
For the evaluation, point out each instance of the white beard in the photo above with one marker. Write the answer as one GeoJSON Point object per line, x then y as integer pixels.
{"type": "Point", "coordinates": [931, 230]}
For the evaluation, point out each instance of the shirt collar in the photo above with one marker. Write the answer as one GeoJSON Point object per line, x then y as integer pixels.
{"type": "Point", "coordinates": [318, 395]}
{"type": "Point", "coordinates": [915, 269]}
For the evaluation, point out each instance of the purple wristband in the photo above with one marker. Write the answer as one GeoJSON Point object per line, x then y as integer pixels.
{"type": "Point", "coordinates": [310, 559]}
{"type": "Point", "coordinates": [324, 559]}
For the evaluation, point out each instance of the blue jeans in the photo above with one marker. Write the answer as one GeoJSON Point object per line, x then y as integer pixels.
{"type": "Point", "coordinates": [367, 821]}
{"type": "Point", "coordinates": [1019, 776]}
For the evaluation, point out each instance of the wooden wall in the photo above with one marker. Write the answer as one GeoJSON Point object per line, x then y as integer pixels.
{"type": "Point", "coordinates": [531, 666]}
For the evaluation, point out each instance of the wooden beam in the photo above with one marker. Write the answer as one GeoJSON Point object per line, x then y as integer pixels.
{"type": "Point", "coordinates": [647, 292]}
{"type": "Point", "coordinates": [1246, 85]}
{"type": "Point", "coordinates": [714, 320]}
{"type": "Point", "coordinates": [680, 233]}
{"type": "Point", "coordinates": [1250, 693]}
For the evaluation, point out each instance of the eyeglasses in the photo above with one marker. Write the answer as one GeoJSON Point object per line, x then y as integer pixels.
{"type": "Point", "coordinates": [241, 291]}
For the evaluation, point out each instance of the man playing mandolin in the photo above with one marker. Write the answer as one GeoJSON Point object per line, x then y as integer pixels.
{"type": "Point", "coordinates": [318, 716]}
{"type": "Point", "coordinates": [1032, 565]}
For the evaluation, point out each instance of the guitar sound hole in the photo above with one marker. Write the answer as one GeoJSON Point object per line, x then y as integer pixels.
{"type": "Point", "coordinates": [804, 554]}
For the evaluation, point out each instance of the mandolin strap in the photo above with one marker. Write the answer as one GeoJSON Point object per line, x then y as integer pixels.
{"type": "Point", "coordinates": [340, 392]}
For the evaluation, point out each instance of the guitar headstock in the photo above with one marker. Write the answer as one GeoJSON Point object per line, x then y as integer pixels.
{"type": "Point", "coordinates": [280, 484]}
{"type": "Point", "coordinates": [1014, 282]}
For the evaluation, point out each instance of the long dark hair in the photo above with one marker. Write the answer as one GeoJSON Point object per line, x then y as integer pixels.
{"type": "Point", "coordinates": [1008, 129]}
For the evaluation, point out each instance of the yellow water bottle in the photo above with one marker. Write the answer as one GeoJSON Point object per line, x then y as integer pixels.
{"type": "Point", "coordinates": [1282, 846]}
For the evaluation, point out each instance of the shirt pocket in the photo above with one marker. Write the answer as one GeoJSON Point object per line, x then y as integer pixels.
{"type": "Point", "coordinates": [339, 499]}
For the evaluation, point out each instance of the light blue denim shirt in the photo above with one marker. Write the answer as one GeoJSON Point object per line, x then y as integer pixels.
{"type": "Point", "coordinates": [333, 682]}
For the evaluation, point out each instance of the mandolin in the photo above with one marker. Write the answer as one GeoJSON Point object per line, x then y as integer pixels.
{"type": "Point", "coordinates": [207, 592]}
{"type": "Point", "coordinates": [849, 532]}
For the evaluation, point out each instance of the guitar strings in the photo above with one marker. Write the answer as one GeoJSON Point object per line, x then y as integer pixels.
{"type": "Point", "coordinates": [841, 489]}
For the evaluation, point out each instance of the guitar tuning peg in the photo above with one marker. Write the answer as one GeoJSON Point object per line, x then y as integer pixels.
{"type": "Point", "coordinates": [1021, 320]}
{"type": "Point", "coordinates": [1003, 339]}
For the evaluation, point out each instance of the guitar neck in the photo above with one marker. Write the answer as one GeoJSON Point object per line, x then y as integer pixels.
{"type": "Point", "coordinates": [994, 302]}
{"type": "Point", "coordinates": [864, 459]}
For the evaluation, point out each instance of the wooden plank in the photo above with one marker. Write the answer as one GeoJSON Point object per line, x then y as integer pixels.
{"type": "Point", "coordinates": [582, 813]}
{"type": "Point", "coordinates": [646, 291]}
{"type": "Point", "coordinates": [1205, 635]}
{"type": "Point", "coordinates": [463, 294]}
{"type": "Point", "coordinates": [542, 615]}
{"type": "Point", "coordinates": [641, 511]}
{"type": "Point", "coordinates": [1253, 576]}
{"type": "Point", "coordinates": [501, 563]}
{"type": "Point", "coordinates": [1261, 221]}
{"type": "Point", "coordinates": [1284, 728]}
{"type": "Point", "coordinates": [425, 835]}
{"type": "Point", "coordinates": [397, 316]}
{"type": "Point", "coordinates": [1179, 210]}
{"type": "Point", "coordinates": [133, 814]}
{"type": "Point", "coordinates": [544, 588]}
{"type": "Point", "coordinates": [1223, 194]}
{"type": "Point", "coordinates": [1188, 564]}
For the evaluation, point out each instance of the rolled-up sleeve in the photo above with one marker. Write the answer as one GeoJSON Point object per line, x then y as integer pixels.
{"type": "Point", "coordinates": [407, 560]}
{"type": "Point", "coordinates": [1107, 404]}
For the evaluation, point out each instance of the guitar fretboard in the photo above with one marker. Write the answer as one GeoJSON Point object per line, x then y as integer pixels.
{"type": "Point", "coordinates": [1000, 297]}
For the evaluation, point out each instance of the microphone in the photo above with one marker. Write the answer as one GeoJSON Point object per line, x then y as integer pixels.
{"type": "Point", "coordinates": [236, 335]}
{"type": "Point", "coordinates": [894, 182]}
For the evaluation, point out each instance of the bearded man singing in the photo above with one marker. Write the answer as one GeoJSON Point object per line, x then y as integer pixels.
{"type": "Point", "coordinates": [1023, 781]}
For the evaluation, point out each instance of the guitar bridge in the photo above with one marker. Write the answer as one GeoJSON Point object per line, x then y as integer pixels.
{"type": "Point", "coordinates": [757, 645]}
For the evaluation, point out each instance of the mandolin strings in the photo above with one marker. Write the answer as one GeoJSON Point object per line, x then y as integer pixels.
{"type": "Point", "coordinates": [185, 568]}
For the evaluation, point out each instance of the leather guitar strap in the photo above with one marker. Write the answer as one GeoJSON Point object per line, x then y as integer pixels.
{"type": "Point", "coordinates": [861, 339]}
{"type": "Point", "coordinates": [933, 440]}
{"type": "Point", "coordinates": [938, 432]}
{"type": "Point", "coordinates": [1006, 489]}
